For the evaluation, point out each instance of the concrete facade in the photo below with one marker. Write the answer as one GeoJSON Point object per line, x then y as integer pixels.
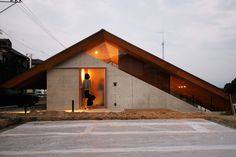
{"type": "Point", "coordinates": [130, 92]}
{"type": "Point", "coordinates": [62, 88]}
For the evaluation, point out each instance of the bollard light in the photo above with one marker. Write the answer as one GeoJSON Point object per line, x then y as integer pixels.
{"type": "Point", "coordinates": [25, 108]}
{"type": "Point", "coordinates": [73, 105]}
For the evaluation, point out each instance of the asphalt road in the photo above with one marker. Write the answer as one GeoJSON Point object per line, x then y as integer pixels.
{"type": "Point", "coordinates": [133, 138]}
{"type": "Point", "coordinates": [16, 109]}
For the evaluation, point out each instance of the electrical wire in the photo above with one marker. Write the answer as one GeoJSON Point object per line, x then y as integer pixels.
{"type": "Point", "coordinates": [11, 1]}
{"type": "Point", "coordinates": [22, 43]}
{"type": "Point", "coordinates": [37, 21]}
{"type": "Point", "coordinates": [7, 8]}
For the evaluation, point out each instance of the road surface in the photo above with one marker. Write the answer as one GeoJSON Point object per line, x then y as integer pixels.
{"type": "Point", "coordinates": [114, 138]}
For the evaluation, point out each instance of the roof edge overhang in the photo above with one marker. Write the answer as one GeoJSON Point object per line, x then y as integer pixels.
{"type": "Point", "coordinates": [60, 57]}
{"type": "Point", "coordinates": [98, 38]}
{"type": "Point", "coordinates": [172, 69]}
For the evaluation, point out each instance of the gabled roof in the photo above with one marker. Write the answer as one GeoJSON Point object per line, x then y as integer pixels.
{"type": "Point", "coordinates": [38, 73]}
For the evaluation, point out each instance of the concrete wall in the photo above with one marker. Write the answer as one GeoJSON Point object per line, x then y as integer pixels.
{"type": "Point", "coordinates": [130, 92]}
{"type": "Point", "coordinates": [62, 88]}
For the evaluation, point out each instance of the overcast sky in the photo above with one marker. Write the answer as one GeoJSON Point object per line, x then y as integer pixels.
{"type": "Point", "coordinates": [200, 34]}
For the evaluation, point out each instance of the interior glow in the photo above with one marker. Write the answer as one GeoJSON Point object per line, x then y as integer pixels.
{"type": "Point", "coordinates": [105, 52]}
{"type": "Point", "coordinates": [80, 110]}
{"type": "Point", "coordinates": [82, 74]}
{"type": "Point", "coordinates": [97, 77]}
{"type": "Point", "coordinates": [182, 86]}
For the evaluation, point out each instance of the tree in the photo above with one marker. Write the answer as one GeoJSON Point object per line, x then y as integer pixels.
{"type": "Point", "coordinates": [230, 87]}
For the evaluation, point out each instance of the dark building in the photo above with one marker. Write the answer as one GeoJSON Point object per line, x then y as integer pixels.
{"type": "Point", "coordinates": [12, 62]}
{"type": "Point", "coordinates": [36, 62]}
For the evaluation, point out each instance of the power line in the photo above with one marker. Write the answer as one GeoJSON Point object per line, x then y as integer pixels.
{"type": "Point", "coordinates": [7, 8]}
{"type": "Point", "coordinates": [11, 1]}
{"type": "Point", "coordinates": [36, 20]}
{"type": "Point", "coordinates": [39, 23]}
{"type": "Point", "coordinates": [22, 43]}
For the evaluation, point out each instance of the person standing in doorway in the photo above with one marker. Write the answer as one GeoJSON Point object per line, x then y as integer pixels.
{"type": "Point", "coordinates": [87, 90]}
{"type": "Point", "coordinates": [87, 85]}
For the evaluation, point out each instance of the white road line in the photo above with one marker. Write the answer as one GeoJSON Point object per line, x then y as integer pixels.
{"type": "Point", "coordinates": [110, 124]}
{"type": "Point", "coordinates": [142, 132]}
{"type": "Point", "coordinates": [107, 133]}
{"type": "Point", "coordinates": [198, 127]}
{"type": "Point", "coordinates": [120, 150]}
{"type": "Point", "coordinates": [88, 130]}
{"type": "Point", "coordinates": [149, 127]}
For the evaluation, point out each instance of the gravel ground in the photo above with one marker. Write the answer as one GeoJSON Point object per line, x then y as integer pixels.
{"type": "Point", "coordinates": [7, 119]}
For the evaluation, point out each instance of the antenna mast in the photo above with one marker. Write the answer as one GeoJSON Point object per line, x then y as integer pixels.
{"type": "Point", "coordinates": [163, 45]}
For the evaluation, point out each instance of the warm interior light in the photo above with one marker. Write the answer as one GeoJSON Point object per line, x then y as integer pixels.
{"type": "Point", "coordinates": [105, 52]}
{"type": "Point", "coordinates": [96, 77]}
{"type": "Point", "coordinates": [79, 110]}
{"type": "Point", "coordinates": [82, 74]}
{"type": "Point", "coordinates": [182, 86]}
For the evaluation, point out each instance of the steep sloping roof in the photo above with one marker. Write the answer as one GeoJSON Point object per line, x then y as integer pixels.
{"type": "Point", "coordinates": [38, 73]}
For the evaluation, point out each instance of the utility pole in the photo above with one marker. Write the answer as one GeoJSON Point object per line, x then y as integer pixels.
{"type": "Point", "coordinates": [29, 55]}
{"type": "Point", "coordinates": [10, 1]}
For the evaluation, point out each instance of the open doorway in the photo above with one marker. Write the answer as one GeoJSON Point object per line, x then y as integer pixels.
{"type": "Point", "coordinates": [98, 79]}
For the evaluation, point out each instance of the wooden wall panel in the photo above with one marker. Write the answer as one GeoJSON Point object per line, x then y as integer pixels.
{"type": "Point", "coordinates": [145, 71]}
{"type": "Point", "coordinates": [202, 96]}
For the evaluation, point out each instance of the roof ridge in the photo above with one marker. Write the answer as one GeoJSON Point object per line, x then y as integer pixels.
{"type": "Point", "coordinates": [94, 40]}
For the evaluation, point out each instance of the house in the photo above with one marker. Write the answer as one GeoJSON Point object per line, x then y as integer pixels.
{"type": "Point", "coordinates": [129, 76]}
{"type": "Point", "coordinates": [12, 62]}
